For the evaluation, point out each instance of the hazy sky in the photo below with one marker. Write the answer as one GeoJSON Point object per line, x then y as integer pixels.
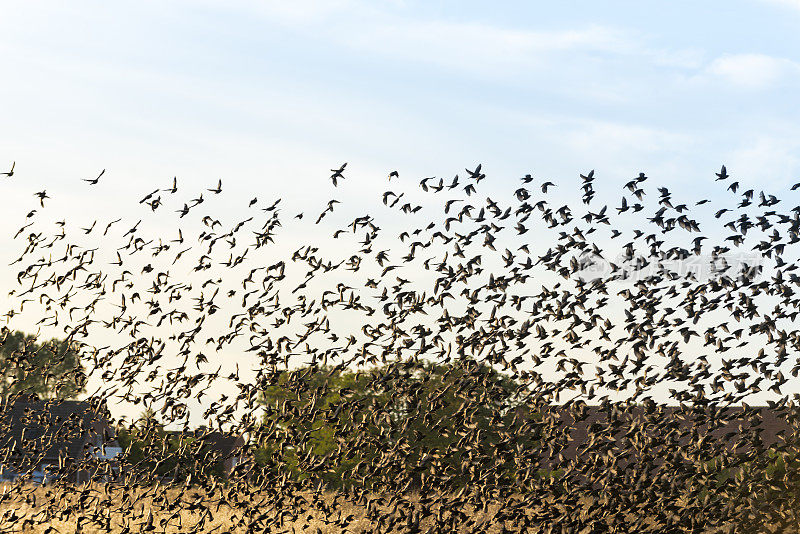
{"type": "Point", "coordinates": [268, 96]}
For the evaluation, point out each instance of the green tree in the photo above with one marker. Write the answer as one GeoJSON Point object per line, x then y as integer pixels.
{"type": "Point", "coordinates": [447, 421]}
{"type": "Point", "coordinates": [50, 369]}
{"type": "Point", "coordinates": [148, 420]}
{"type": "Point", "coordinates": [302, 421]}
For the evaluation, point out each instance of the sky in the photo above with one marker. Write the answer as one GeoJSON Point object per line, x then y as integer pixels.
{"type": "Point", "coordinates": [263, 93]}
{"type": "Point", "coordinates": [268, 96]}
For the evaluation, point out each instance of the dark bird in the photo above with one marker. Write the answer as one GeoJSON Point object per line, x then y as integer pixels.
{"type": "Point", "coordinates": [148, 196]}
{"type": "Point", "coordinates": [217, 190]}
{"type": "Point", "coordinates": [93, 181]}
{"type": "Point", "coordinates": [476, 175]}
{"type": "Point", "coordinates": [337, 174]}
{"type": "Point", "coordinates": [108, 226]}
{"type": "Point", "coordinates": [10, 173]}
{"type": "Point", "coordinates": [42, 195]}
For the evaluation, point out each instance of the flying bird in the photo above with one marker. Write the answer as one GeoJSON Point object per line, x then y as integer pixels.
{"type": "Point", "coordinates": [10, 173]}
{"type": "Point", "coordinates": [217, 190]}
{"type": "Point", "coordinates": [42, 195]}
{"type": "Point", "coordinates": [337, 174]}
{"type": "Point", "coordinates": [93, 181]}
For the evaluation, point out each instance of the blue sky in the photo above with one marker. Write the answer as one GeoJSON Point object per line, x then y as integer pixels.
{"type": "Point", "coordinates": [243, 89]}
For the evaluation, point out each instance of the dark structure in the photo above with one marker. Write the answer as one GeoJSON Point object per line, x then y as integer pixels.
{"type": "Point", "coordinates": [227, 447]}
{"type": "Point", "coordinates": [652, 434]}
{"type": "Point", "coordinates": [54, 438]}
{"type": "Point", "coordinates": [223, 449]}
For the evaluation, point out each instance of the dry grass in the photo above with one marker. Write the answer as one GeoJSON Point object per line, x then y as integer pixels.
{"type": "Point", "coordinates": [159, 509]}
{"type": "Point", "coordinates": [34, 509]}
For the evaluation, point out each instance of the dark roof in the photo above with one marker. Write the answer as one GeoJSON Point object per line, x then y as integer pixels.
{"type": "Point", "coordinates": [38, 430]}
{"type": "Point", "coordinates": [576, 433]}
{"type": "Point", "coordinates": [222, 443]}
{"type": "Point", "coordinates": [226, 444]}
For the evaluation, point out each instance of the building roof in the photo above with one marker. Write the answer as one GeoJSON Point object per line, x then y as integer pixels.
{"type": "Point", "coordinates": [575, 433]}
{"type": "Point", "coordinates": [38, 430]}
{"type": "Point", "coordinates": [226, 445]}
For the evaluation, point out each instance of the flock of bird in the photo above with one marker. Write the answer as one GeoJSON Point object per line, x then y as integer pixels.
{"type": "Point", "coordinates": [622, 310]}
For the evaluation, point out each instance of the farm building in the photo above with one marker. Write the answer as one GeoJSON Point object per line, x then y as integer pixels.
{"type": "Point", "coordinates": [44, 437]}
{"type": "Point", "coordinates": [226, 449]}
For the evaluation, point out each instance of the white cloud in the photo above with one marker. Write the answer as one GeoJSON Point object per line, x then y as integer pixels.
{"type": "Point", "coordinates": [474, 46]}
{"type": "Point", "coordinates": [753, 71]}
{"type": "Point", "coordinates": [377, 27]}
{"type": "Point", "coordinates": [767, 161]}
{"type": "Point", "coordinates": [684, 58]}
{"type": "Point", "coordinates": [384, 28]}
{"type": "Point", "coordinates": [788, 3]}
{"type": "Point", "coordinates": [296, 11]}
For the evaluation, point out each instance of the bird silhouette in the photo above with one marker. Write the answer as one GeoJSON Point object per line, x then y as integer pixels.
{"type": "Point", "coordinates": [217, 190]}
{"type": "Point", "coordinates": [93, 181]}
{"type": "Point", "coordinates": [337, 174]}
{"type": "Point", "coordinates": [42, 195]}
{"type": "Point", "coordinates": [10, 173]}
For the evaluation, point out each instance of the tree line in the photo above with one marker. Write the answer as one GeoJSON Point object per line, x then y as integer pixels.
{"type": "Point", "coordinates": [331, 425]}
{"type": "Point", "coordinates": [48, 369]}
{"type": "Point", "coordinates": [451, 424]}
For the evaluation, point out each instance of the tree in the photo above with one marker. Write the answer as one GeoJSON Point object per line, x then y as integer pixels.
{"type": "Point", "coordinates": [51, 369]}
{"type": "Point", "coordinates": [148, 420]}
{"type": "Point", "coordinates": [450, 422]}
